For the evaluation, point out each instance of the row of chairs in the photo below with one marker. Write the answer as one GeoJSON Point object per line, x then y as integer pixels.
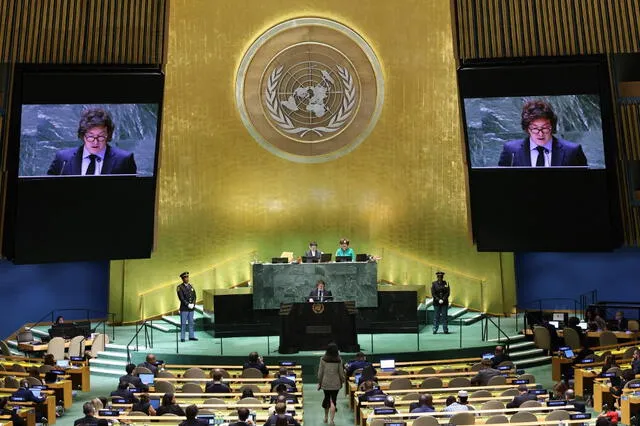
{"type": "Point", "coordinates": [198, 373]}
{"type": "Point", "coordinates": [469, 418]}
{"type": "Point", "coordinates": [168, 387]}
{"type": "Point", "coordinates": [456, 382]}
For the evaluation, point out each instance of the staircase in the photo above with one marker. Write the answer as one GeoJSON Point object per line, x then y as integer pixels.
{"type": "Point", "coordinates": [523, 352]}
{"type": "Point", "coordinates": [467, 317]}
{"type": "Point", "coordinates": [112, 361]}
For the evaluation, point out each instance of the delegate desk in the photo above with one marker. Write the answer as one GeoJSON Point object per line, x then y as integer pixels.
{"type": "Point", "coordinates": [274, 284]}
{"type": "Point", "coordinates": [31, 347]}
{"type": "Point", "coordinates": [49, 404]}
{"type": "Point", "coordinates": [312, 326]}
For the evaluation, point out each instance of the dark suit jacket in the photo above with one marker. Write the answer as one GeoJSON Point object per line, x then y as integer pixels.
{"type": "Point", "coordinates": [173, 408]}
{"type": "Point", "coordinates": [483, 376]}
{"type": "Point", "coordinates": [309, 256]}
{"type": "Point", "coordinates": [216, 387]}
{"type": "Point", "coordinates": [193, 422]}
{"type": "Point", "coordinates": [186, 294]}
{"type": "Point", "coordinates": [28, 395]}
{"type": "Point", "coordinates": [326, 295]}
{"type": "Point", "coordinates": [496, 360]}
{"type": "Point", "coordinates": [563, 153]}
{"type": "Point", "coordinates": [116, 162]}
{"type": "Point", "coordinates": [291, 385]}
{"type": "Point", "coordinates": [519, 399]}
{"type": "Point", "coordinates": [239, 423]}
{"type": "Point", "coordinates": [271, 421]}
{"type": "Point", "coordinates": [124, 394]}
{"type": "Point", "coordinates": [135, 381]}
{"type": "Point", "coordinates": [151, 367]}
{"type": "Point", "coordinates": [579, 405]}
{"type": "Point", "coordinates": [257, 366]}
{"type": "Point", "coordinates": [440, 290]}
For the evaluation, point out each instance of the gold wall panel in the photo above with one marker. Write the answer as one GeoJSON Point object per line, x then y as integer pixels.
{"type": "Point", "coordinates": [515, 28]}
{"type": "Point", "coordinates": [400, 194]}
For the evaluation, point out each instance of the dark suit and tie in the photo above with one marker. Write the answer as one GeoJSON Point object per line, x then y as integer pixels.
{"type": "Point", "coordinates": [312, 255]}
{"type": "Point", "coordinates": [115, 162]}
{"type": "Point", "coordinates": [320, 296]}
{"type": "Point", "coordinates": [563, 153]}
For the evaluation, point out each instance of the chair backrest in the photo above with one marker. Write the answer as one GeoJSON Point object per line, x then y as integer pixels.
{"type": "Point", "coordinates": [426, 421]}
{"type": "Point", "coordinates": [492, 405]}
{"type": "Point", "coordinates": [497, 419]}
{"type": "Point", "coordinates": [497, 380]}
{"type": "Point", "coordinates": [527, 376]}
{"type": "Point", "coordinates": [628, 354]}
{"type": "Point", "coordinates": [163, 374]}
{"type": "Point", "coordinates": [251, 373]}
{"type": "Point", "coordinates": [214, 401]}
{"type": "Point", "coordinates": [608, 338]}
{"type": "Point", "coordinates": [400, 383]}
{"type": "Point", "coordinates": [571, 338]}
{"type": "Point", "coordinates": [170, 415]}
{"type": "Point", "coordinates": [252, 387]}
{"type": "Point", "coordinates": [507, 363]}
{"type": "Point", "coordinates": [43, 369]}
{"type": "Point", "coordinates": [136, 413]}
{"type": "Point", "coordinates": [11, 382]}
{"type": "Point", "coordinates": [76, 346]}
{"type": "Point", "coordinates": [459, 382]}
{"type": "Point", "coordinates": [558, 415]}
{"type": "Point", "coordinates": [427, 370]}
{"type": "Point", "coordinates": [448, 370]}
{"type": "Point", "coordinates": [541, 338]}
{"type": "Point", "coordinates": [33, 381]}
{"type": "Point", "coordinates": [225, 373]}
{"type": "Point", "coordinates": [164, 386]}
{"type": "Point", "coordinates": [99, 343]}
{"type": "Point", "coordinates": [249, 401]}
{"type": "Point", "coordinates": [616, 370]}
{"type": "Point", "coordinates": [477, 366]}
{"type": "Point", "coordinates": [633, 325]}
{"type": "Point", "coordinates": [463, 418]}
{"type": "Point", "coordinates": [205, 411]}
{"type": "Point", "coordinates": [4, 348]}
{"type": "Point", "coordinates": [145, 370]}
{"type": "Point", "coordinates": [480, 393]}
{"type": "Point", "coordinates": [191, 388]}
{"type": "Point", "coordinates": [195, 373]}
{"type": "Point", "coordinates": [523, 417]}
{"type": "Point", "coordinates": [532, 403]}
{"type": "Point", "coordinates": [56, 348]}
{"type": "Point", "coordinates": [18, 368]}
{"type": "Point", "coordinates": [431, 383]}
{"type": "Point", "coordinates": [510, 392]}
{"type": "Point", "coordinates": [411, 396]}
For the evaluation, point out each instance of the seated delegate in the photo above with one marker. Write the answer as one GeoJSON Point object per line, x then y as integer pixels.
{"type": "Point", "coordinates": [345, 250]}
{"type": "Point", "coordinates": [320, 294]}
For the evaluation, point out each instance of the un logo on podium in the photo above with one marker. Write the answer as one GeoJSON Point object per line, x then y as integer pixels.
{"type": "Point", "coordinates": [309, 90]}
{"type": "Point", "coordinates": [317, 308]}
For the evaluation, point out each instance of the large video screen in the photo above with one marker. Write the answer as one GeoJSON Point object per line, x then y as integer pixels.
{"type": "Point", "coordinates": [81, 163]}
{"type": "Point", "coordinates": [59, 139]}
{"type": "Point", "coordinates": [540, 147]}
{"type": "Point", "coordinates": [507, 131]}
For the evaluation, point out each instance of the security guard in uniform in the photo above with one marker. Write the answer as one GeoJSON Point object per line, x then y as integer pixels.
{"type": "Point", "coordinates": [440, 292]}
{"type": "Point", "coordinates": [187, 296]}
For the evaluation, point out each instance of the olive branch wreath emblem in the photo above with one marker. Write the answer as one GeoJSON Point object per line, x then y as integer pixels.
{"type": "Point", "coordinates": [335, 123]}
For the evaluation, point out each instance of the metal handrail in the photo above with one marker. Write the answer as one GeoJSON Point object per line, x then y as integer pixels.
{"type": "Point", "coordinates": [485, 330]}
{"type": "Point", "coordinates": [148, 338]}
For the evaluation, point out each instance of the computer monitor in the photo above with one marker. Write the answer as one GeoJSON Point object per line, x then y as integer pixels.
{"type": "Point", "coordinates": [488, 355]}
{"type": "Point", "coordinates": [555, 324]}
{"type": "Point", "coordinates": [325, 257]}
{"type": "Point", "coordinates": [579, 416]}
{"type": "Point", "coordinates": [109, 413]}
{"type": "Point", "coordinates": [288, 363]}
{"type": "Point", "coordinates": [556, 403]}
{"type": "Point", "coordinates": [384, 410]}
{"type": "Point", "coordinates": [62, 363]}
{"type": "Point", "coordinates": [279, 260]}
{"type": "Point", "coordinates": [583, 325]}
{"type": "Point", "coordinates": [146, 378]}
{"type": "Point", "coordinates": [343, 258]}
{"type": "Point", "coordinates": [387, 364]}
{"type": "Point", "coordinates": [377, 398]}
{"type": "Point", "coordinates": [362, 257]}
{"type": "Point", "coordinates": [311, 259]}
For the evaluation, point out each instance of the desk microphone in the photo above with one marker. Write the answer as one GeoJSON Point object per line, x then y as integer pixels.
{"type": "Point", "coordinates": [64, 163]}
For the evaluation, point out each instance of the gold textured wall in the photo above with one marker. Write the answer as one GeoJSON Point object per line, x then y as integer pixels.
{"type": "Point", "coordinates": [401, 193]}
{"type": "Point", "coordinates": [515, 28]}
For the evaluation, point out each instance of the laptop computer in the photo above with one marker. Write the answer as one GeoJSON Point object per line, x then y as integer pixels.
{"type": "Point", "coordinates": [306, 259]}
{"type": "Point", "coordinates": [209, 419]}
{"type": "Point", "coordinates": [279, 260]}
{"type": "Point", "coordinates": [343, 258]}
{"type": "Point", "coordinates": [62, 363]}
{"type": "Point", "coordinates": [36, 392]}
{"type": "Point", "coordinates": [488, 356]}
{"type": "Point", "coordinates": [362, 257]}
{"type": "Point", "coordinates": [146, 378]}
{"type": "Point", "coordinates": [387, 365]}
{"type": "Point", "coordinates": [583, 325]}
{"type": "Point", "coordinates": [291, 377]}
{"type": "Point", "coordinates": [288, 363]}
{"type": "Point", "coordinates": [555, 324]}
{"type": "Point", "coordinates": [325, 257]}
{"type": "Point", "coordinates": [568, 353]}
{"type": "Point", "coordinates": [155, 403]}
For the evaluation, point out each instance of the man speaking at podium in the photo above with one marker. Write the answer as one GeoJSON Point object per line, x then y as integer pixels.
{"type": "Point", "coordinates": [320, 294]}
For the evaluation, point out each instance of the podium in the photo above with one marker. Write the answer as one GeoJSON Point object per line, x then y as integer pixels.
{"type": "Point", "coordinates": [312, 326]}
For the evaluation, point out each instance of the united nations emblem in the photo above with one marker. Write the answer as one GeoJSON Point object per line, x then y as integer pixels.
{"type": "Point", "coordinates": [317, 308]}
{"type": "Point", "coordinates": [309, 90]}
